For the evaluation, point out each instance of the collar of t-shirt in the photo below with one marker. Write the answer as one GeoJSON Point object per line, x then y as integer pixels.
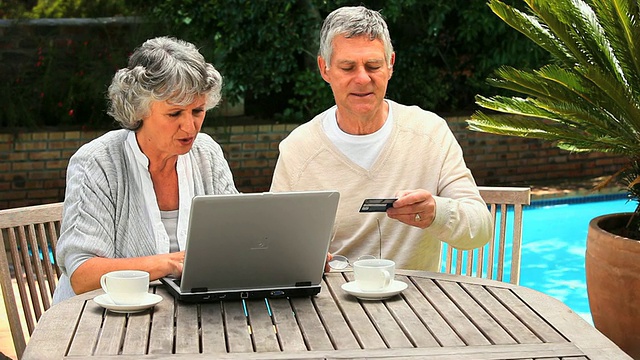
{"type": "Point", "coordinates": [361, 149]}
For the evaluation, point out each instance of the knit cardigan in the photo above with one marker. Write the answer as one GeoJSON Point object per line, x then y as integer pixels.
{"type": "Point", "coordinates": [106, 207]}
{"type": "Point", "coordinates": [421, 153]}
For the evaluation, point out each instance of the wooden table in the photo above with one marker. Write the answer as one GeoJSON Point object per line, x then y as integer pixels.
{"type": "Point", "coordinates": [438, 316]}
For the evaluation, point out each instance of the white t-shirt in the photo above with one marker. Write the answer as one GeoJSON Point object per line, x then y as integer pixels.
{"type": "Point", "coordinates": [361, 149]}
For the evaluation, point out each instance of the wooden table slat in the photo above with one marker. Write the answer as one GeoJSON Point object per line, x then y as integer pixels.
{"type": "Point", "coordinates": [467, 331]}
{"type": "Point", "coordinates": [388, 328]}
{"type": "Point", "coordinates": [527, 316]}
{"type": "Point", "coordinates": [112, 335]}
{"type": "Point", "coordinates": [436, 324]}
{"type": "Point", "coordinates": [187, 339]}
{"type": "Point", "coordinates": [238, 333]}
{"type": "Point", "coordinates": [411, 324]}
{"type": "Point", "coordinates": [213, 335]}
{"type": "Point", "coordinates": [137, 335]}
{"type": "Point", "coordinates": [87, 333]}
{"type": "Point", "coordinates": [477, 315]}
{"type": "Point", "coordinates": [429, 320]}
{"type": "Point", "coordinates": [313, 332]}
{"type": "Point", "coordinates": [367, 335]}
{"type": "Point", "coordinates": [161, 336]}
{"type": "Point", "coordinates": [264, 335]}
{"type": "Point", "coordinates": [336, 326]}
{"type": "Point", "coordinates": [287, 329]}
{"type": "Point", "coordinates": [507, 320]}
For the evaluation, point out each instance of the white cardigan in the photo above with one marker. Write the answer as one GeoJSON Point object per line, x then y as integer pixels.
{"type": "Point", "coordinates": [110, 209]}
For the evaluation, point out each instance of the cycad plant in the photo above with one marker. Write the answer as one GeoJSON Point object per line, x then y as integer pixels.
{"type": "Point", "coordinates": [588, 98]}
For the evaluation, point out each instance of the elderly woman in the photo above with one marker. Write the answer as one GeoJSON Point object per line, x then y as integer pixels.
{"type": "Point", "coordinates": [129, 192]}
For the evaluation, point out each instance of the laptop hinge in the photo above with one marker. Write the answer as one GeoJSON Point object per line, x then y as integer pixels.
{"type": "Point", "coordinates": [199, 289]}
{"type": "Point", "coordinates": [303, 283]}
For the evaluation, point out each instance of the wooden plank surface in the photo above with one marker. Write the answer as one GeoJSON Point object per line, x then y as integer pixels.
{"type": "Point", "coordinates": [187, 340]}
{"type": "Point", "coordinates": [501, 314]}
{"type": "Point", "coordinates": [524, 313]}
{"type": "Point", "coordinates": [337, 328]}
{"type": "Point", "coordinates": [474, 312]}
{"type": "Point", "coordinates": [238, 331]}
{"type": "Point", "coordinates": [383, 321]}
{"type": "Point", "coordinates": [458, 321]}
{"type": "Point", "coordinates": [436, 317]}
{"type": "Point", "coordinates": [213, 331]}
{"type": "Point", "coordinates": [286, 327]}
{"type": "Point", "coordinates": [413, 327]}
{"type": "Point", "coordinates": [436, 324]}
{"type": "Point", "coordinates": [357, 319]}
{"type": "Point", "coordinates": [263, 331]}
{"type": "Point", "coordinates": [87, 333]}
{"type": "Point", "coordinates": [136, 338]}
{"type": "Point", "coordinates": [162, 332]}
{"type": "Point", "coordinates": [112, 334]}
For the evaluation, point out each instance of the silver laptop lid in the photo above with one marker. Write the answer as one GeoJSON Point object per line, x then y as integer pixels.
{"type": "Point", "coordinates": [258, 240]}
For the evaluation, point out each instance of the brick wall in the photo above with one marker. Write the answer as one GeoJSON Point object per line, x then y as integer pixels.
{"type": "Point", "coordinates": [32, 165]}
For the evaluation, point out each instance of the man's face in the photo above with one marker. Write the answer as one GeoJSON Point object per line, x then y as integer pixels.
{"type": "Point", "coordinates": [358, 75]}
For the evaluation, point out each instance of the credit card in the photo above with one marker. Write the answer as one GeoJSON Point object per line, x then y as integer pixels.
{"type": "Point", "coordinates": [377, 205]}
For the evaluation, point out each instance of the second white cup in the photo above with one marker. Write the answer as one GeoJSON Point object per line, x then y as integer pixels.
{"type": "Point", "coordinates": [374, 274]}
{"type": "Point", "coordinates": [126, 287]}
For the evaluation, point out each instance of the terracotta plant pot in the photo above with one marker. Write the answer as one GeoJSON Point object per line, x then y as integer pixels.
{"type": "Point", "coordinates": [613, 282]}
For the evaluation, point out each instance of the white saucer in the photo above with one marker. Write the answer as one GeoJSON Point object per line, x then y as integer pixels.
{"type": "Point", "coordinates": [149, 301]}
{"type": "Point", "coordinates": [394, 289]}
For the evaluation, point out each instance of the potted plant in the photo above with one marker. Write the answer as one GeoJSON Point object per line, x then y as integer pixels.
{"type": "Point", "coordinates": [586, 100]}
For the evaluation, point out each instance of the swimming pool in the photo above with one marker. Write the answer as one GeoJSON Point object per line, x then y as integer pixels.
{"type": "Point", "coordinates": [554, 244]}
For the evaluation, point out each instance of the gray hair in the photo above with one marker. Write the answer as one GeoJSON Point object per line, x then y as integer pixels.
{"type": "Point", "coordinates": [161, 69]}
{"type": "Point", "coordinates": [354, 21]}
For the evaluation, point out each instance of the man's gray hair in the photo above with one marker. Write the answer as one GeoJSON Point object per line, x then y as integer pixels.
{"type": "Point", "coordinates": [354, 21]}
{"type": "Point", "coordinates": [161, 69]}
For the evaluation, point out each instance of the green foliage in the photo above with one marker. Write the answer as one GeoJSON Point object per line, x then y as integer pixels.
{"type": "Point", "coordinates": [63, 9]}
{"type": "Point", "coordinates": [445, 50]}
{"type": "Point", "coordinates": [266, 51]}
{"type": "Point", "coordinates": [13, 9]}
{"type": "Point", "coordinates": [587, 99]}
{"type": "Point", "coordinates": [64, 84]}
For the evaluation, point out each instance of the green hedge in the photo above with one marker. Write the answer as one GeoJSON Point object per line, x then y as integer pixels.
{"type": "Point", "coordinates": [266, 51]}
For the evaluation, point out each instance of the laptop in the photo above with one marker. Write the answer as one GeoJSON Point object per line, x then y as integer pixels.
{"type": "Point", "coordinates": [256, 245]}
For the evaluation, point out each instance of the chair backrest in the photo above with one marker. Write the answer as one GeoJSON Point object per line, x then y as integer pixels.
{"type": "Point", "coordinates": [28, 237]}
{"type": "Point", "coordinates": [489, 261]}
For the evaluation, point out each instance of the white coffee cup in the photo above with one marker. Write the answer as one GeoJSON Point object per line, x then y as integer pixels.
{"type": "Point", "coordinates": [374, 274]}
{"type": "Point", "coordinates": [126, 287]}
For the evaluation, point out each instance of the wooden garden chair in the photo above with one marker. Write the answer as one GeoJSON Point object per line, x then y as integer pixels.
{"type": "Point", "coordinates": [28, 237]}
{"type": "Point", "coordinates": [506, 205]}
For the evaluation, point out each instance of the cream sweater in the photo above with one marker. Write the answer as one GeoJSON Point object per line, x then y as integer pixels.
{"type": "Point", "coordinates": [421, 153]}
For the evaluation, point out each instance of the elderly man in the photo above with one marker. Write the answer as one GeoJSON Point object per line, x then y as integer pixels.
{"type": "Point", "coordinates": [367, 146]}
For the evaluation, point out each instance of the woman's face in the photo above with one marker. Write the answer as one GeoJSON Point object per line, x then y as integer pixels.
{"type": "Point", "coordinates": [170, 130]}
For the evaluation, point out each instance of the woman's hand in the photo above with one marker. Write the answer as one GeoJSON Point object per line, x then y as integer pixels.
{"type": "Point", "coordinates": [87, 276]}
{"type": "Point", "coordinates": [327, 268]}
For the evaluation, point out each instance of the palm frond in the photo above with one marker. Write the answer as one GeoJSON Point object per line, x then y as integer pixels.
{"type": "Point", "coordinates": [584, 102]}
{"type": "Point", "coordinates": [619, 20]}
{"type": "Point", "coordinates": [564, 137]}
{"type": "Point", "coordinates": [558, 91]}
{"type": "Point", "coordinates": [531, 27]}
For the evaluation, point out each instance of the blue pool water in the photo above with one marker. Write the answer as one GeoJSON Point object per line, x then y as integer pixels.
{"type": "Point", "coordinates": [553, 248]}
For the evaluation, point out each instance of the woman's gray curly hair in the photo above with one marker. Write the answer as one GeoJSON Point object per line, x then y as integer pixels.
{"type": "Point", "coordinates": [161, 69]}
{"type": "Point", "coordinates": [350, 22]}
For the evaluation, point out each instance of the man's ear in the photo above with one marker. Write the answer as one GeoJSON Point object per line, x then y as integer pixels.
{"type": "Point", "coordinates": [322, 66]}
{"type": "Point", "coordinates": [392, 62]}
